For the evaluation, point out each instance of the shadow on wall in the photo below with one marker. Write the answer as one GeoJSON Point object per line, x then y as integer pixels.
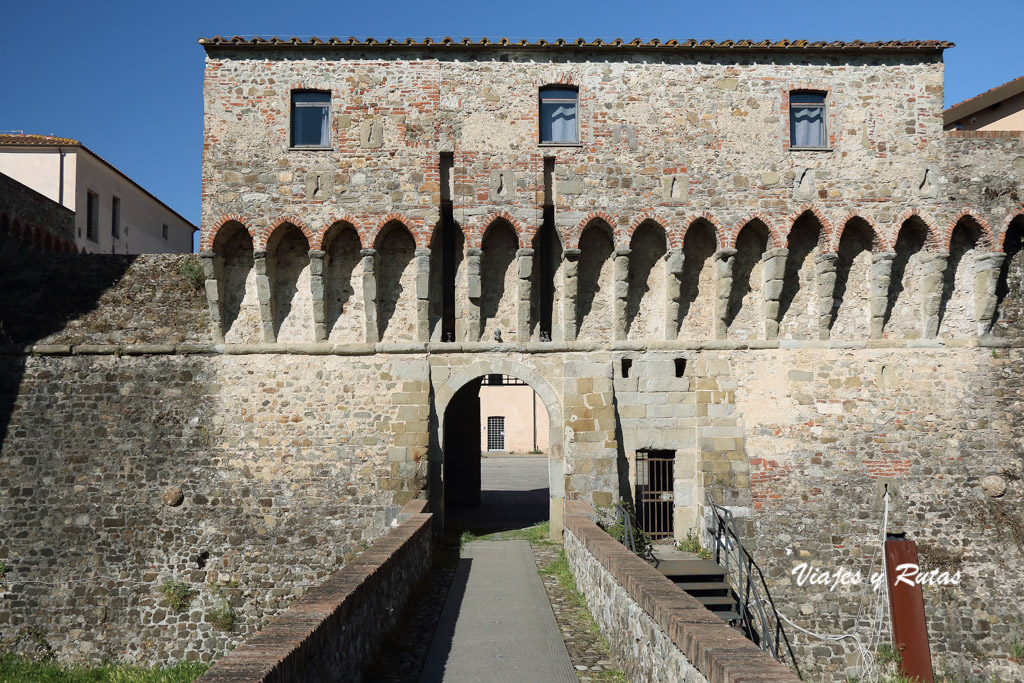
{"type": "Point", "coordinates": [40, 300]}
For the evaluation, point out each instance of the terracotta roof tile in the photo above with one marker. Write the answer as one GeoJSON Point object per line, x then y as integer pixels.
{"type": "Point", "coordinates": [256, 41]}
{"type": "Point", "coordinates": [37, 140]}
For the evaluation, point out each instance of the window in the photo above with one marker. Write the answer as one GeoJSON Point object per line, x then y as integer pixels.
{"type": "Point", "coordinates": [115, 217]}
{"type": "Point", "coordinates": [807, 121]}
{"type": "Point", "coordinates": [311, 119]}
{"type": "Point", "coordinates": [496, 433]}
{"type": "Point", "coordinates": [92, 214]}
{"type": "Point", "coordinates": [164, 232]}
{"type": "Point", "coordinates": [559, 120]}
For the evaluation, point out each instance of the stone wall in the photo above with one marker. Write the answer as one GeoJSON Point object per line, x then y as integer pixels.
{"type": "Point", "coordinates": [315, 640]}
{"type": "Point", "coordinates": [30, 221]}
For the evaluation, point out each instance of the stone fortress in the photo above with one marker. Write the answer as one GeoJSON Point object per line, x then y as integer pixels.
{"type": "Point", "coordinates": [801, 325]}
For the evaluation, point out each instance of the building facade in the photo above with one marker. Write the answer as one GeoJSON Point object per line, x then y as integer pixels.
{"type": "Point", "coordinates": [113, 214]}
{"type": "Point", "coordinates": [763, 265]}
{"type": "Point", "coordinates": [998, 109]}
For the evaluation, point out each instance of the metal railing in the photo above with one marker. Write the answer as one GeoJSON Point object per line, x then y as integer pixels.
{"type": "Point", "coordinates": [639, 544]}
{"type": "Point", "coordinates": [758, 617]}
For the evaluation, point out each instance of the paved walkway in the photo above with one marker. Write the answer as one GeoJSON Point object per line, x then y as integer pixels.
{"type": "Point", "coordinates": [514, 495]}
{"type": "Point", "coordinates": [497, 623]}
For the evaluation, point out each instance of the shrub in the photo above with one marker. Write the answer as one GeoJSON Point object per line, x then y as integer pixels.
{"type": "Point", "coordinates": [178, 595]}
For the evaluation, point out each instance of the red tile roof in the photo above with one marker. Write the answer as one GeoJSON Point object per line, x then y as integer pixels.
{"type": "Point", "coordinates": [256, 41]}
{"type": "Point", "coordinates": [986, 99]}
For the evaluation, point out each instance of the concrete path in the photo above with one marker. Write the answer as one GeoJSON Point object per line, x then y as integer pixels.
{"type": "Point", "coordinates": [497, 623]}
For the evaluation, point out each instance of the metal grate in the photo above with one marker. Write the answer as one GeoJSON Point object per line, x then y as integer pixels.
{"type": "Point", "coordinates": [654, 493]}
{"type": "Point", "coordinates": [496, 433]}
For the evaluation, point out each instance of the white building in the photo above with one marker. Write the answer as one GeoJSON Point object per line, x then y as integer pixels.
{"type": "Point", "coordinates": [113, 214]}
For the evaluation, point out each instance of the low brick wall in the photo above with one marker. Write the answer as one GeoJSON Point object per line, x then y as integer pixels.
{"type": "Point", "coordinates": [656, 631]}
{"type": "Point", "coordinates": [332, 633]}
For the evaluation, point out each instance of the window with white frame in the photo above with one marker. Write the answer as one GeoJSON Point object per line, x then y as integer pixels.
{"type": "Point", "coordinates": [496, 433]}
{"type": "Point", "coordinates": [559, 116]}
{"type": "Point", "coordinates": [311, 119]}
{"type": "Point", "coordinates": [807, 129]}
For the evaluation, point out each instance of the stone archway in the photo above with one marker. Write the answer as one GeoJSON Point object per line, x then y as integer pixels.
{"type": "Point", "coordinates": [556, 449]}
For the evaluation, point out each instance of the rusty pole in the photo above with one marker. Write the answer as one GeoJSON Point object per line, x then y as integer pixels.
{"type": "Point", "coordinates": [906, 607]}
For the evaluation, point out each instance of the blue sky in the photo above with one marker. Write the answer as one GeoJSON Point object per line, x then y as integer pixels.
{"type": "Point", "coordinates": [125, 78]}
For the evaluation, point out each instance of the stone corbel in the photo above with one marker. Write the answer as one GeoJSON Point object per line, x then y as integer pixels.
{"type": "Point", "coordinates": [986, 281]}
{"type": "Point", "coordinates": [474, 292]}
{"type": "Point", "coordinates": [724, 260]}
{"type": "Point", "coordinates": [673, 291]}
{"type": "Point", "coordinates": [316, 285]}
{"type": "Point", "coordinates": [214, 299]}
{"type": "Point", "coordinates": [263, 292]}
{"type": "Point", "coordinates": [369, 264]}
{"type": "Point", "coordinates": [524, 271]}
{"type": "Point", "coordinates": [881, 277]}
{"type": "Point", "coordinates": [570, 271]}
{"type": "Point", "coordinates": [825, 268]}
{"type": "Point", "coordinates": [933, 273]}
{"type": "Point", "coordinates": [620, 276]}
{"type": "Point", "coordinates": [774, 272]}
{"type": "Point", "coordinates": [422, 295]}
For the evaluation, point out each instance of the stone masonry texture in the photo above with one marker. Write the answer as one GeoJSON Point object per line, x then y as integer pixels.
{"type": "Point", "coordinates": [800, 328]}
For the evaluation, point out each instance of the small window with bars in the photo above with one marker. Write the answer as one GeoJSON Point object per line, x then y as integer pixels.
{"type": "Point", "coordinates": [496, 433]}
{"type": "Point", "coordinates": [655, 499]}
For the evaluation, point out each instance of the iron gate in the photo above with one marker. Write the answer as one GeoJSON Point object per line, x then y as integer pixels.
{"type": "Point", "coordinates": [655, 501]}
{"type": "Point", "coordinates": [496, 433]}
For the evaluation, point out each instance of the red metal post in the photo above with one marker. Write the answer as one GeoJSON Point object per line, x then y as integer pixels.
{"type": "Point", "coordinates": [906, 606]}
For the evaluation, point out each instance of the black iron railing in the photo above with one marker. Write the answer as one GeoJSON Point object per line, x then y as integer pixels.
{"type": "Point", "coordinates": [759, 618]}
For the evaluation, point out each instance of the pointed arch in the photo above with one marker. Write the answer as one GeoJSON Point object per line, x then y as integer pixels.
{"type": "Point", "coordinates": [280, 226]}
{"type": "Point", "coordinates": [330, 228]}
{"type": "Point", "coordinates": [499, 281]}
{"type": "Point", "coordinates": [696, 315]}
{"type": "Point", "coordinates": [878, 243]}
{"type": "Point", "coordinates": [904, 297]}
{"type": "Point", "coordinates": [806, 240]}
{"type": "Point", "coordinates": [704, 218]}
{"type": "Point", "coordinates": [851, 294]}
{"type": "Point", "coordinates": [396, 282]}
{"type": "Point", "coordinates": [957, 305]}
{"type": "Point", "coordinates": [596, 218]}
{"type": "Point", "coordinates": [387, 223]}
{"type": "Point", "coordinates": [819, 215]}
{"type": "Point", "coordinates": [234, 268]}
{"type": "Point", "coordinates": [745, 313]}
{"type": "Point", "coordinates": [210, 237]}
{"type": "Point", "coordinates": [986, 238]}
{"type": "Point", "coordinates": [648, 216]}
{"type": "Point", "coordinates": [595, 281]}
{"type": "Point", "coordinates": [773, 238]}
{"type": "Point", "coordinates": [499, 216]}
{"type": "Point", "coordinates": [645, 296]}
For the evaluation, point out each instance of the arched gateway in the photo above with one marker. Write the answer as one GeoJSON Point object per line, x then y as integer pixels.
{"type": "Point", "coordinates": [450, 404]}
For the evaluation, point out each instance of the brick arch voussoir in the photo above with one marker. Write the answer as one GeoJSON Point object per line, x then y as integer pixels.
{"type": "Point", "coordinates": [649, 216]}
{"type": "Point", "coordinates": [485, 225]}
{"type": "Point", "coordinates": [706, 216]}
{"type": "Point", "coordinates": [879, 241]}
{"type": "Point", "coordinates": [986, 239]}
{"type": "Point", "coordinates": [414, 228]}
{"type": "Point", "coordinates": [774, 239]}
{"type": "Point", "coordinates": [586, 220]}
{"type": "Point", "coordinates": [333, 220]}
{"type": "Point", "coordinates": [210, 236]}
{"type": "Point", "coordinates": [278, 223]}
{"type": "Point", "coordinates": [827, 226]}
{"type": "Point", "coordinates": [932, 233]}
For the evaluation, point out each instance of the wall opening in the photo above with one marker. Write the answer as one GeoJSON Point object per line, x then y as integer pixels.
{"type": "Point", "coordinates": [291, 297]}
{"type": "Point", "coordinates": [396, 284]}
{"type": "Point", "coordinates": [445, 255]}
{"type": "Point", "coordinates": [547, 250]}
{"type": "Point", "coordinates": [645, 302]}
{"type": "Point", "coordinates": [627, 365]}
{"type": "Point", "coordinates": [798, 302]}
{"type": "Point", "coordinates": [956, 308]}
{"type": "Point", "coordinates": [851, 310]}
{"type": "Point", "coordinates": [594, 298]}
{"type": "Point", "coordinates": [745, 312]}
{"type": "Point", "coordinates": [655, 500]}
{"type": "Point", "coordinates": [495, 456]}
{"type": "Point", "coordinates": [1009, 315]}
{"type": "Point", "coordinates": [343, 285]}
{"type": "Point", "coordinates": [697, 286]}
{"type": "Point", "coordinates": [903, 308]}
{"type": "Point", "coordinates": [499, 280]}
{"type": "Point", "coordinates": [680, 367]}
{"type": "Point", "coordinates": [234, 263]}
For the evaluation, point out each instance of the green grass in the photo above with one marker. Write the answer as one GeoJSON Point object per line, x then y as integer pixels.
{"type": "Point", "coordinates": [16, 669]}
{"type": "Point", "coordinates": [561, 571]}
